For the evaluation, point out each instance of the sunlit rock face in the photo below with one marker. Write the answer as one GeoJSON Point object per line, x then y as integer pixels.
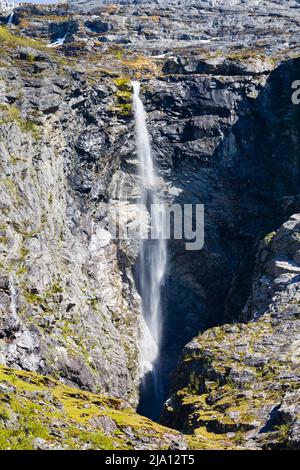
{"type": "Point", "coordinates": [213, 24]}
{"type": "Point", "coordinates": [77, 312]}
{"type": "Point", "coordinates": [224, 133]}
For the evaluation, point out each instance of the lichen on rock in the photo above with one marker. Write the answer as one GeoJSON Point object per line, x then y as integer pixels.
{"type": "Point", "coordinates": [238, 380]}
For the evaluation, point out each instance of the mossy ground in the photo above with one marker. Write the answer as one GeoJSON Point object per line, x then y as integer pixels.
{"type": "Point", "coordinates": [9, 39]}
{"type": "Point", "coordinates": [35, 409]}
{"type": "Point", "coordinates": [123, 98]}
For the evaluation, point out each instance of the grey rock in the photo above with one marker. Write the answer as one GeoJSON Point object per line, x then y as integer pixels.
{"type": "Point", "coordinates": [219, 138]}
{"type": "Point", "coordinates": [26, 53]}
{"type": "Point", "coordinates": [105, 423]}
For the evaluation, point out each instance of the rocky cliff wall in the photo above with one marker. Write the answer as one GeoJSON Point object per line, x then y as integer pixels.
{"type": "Point", "coordinates": [224, 134]}
{"type": "Point", "coordinates": [242, 380]}
{"type": "Point", "coordinates": [201, 126]}
{"type": "Point", "coordinates": [77, 314]}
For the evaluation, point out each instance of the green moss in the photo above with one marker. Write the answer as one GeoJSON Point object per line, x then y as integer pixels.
{"type": "Point", "coordinates": [124, 109]}
{"type": "Point", "coordinates": [23, 252]}
{"type": "Point", "coordinates": [96, 440]}
{"type": "Point", "coordinates": [122, 83]}
{"type": "Point", "coordinates": [123, 97]}
{"type": "Point", "coordinates": [21, 270]}
{"type": "Point", "coordinates": [239, 438]}
{"type": "Point", "coordinates": [14, 440]}
{"type": "Point", "coordinates": [22, 229]}
{"type": "Point", "coordinates": [268, 238]}
{"type": "Point", "coordinates": [9, 39]}
{"type": "Point", "coordinates": [56, 288]}
{"type": "Point", "coordinates": [10, 113]}
{"type": "Point", "coordinates": [29, 126]}
{"type": "Point", "coordinates": [40, 404]}
{"type": "Point", "coordinates": [32, 298]}
{"type": "Point", "coordinates": [14, 160]}
{"type": "Point", "coordinates": [31, 57]}
{"type": "Point", "coordinates": [10, 186]}
{"type": "Point", "coordinates": [118, 52]}
{"type": "Point", "coordinates": [4, 414]}
{"type": "Point", "coordinates": [94, 302]}
{"type": "Point", "coordinates": [29, 427]}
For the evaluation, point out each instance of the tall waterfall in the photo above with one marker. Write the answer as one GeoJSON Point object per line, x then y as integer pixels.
{"type": "Point", "coordinates": [13, 296]}
{"type": "Point", "coordinates": [153, 254]}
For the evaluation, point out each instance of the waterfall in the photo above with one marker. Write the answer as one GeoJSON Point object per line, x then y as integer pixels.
{"type": "Point", "coordinates": [10, 18]}
{"type": "Point", "coordinates": [13, 297]}
{"type": "Point", "coordinates": [153, 252]}
{"type": "Point", "coordinates": [58, 42]}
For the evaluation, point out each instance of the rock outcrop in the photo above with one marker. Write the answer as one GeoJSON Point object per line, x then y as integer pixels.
{"type": "Point", "coordinates": [242, 380]}
{"type": "Point", "coordinates": [37, 412]}
{"type": "Point", "coordinates": [76, 312]}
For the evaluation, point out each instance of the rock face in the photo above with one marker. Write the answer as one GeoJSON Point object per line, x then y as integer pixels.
{"type": "Point", "coordinates": [201, 139]}
{"type": "Point", "coordinates": [276, 286]}
{"type": "Point", "coordinates": [76, 313]}
{"type": "Point", "coordinates": [225, 133]}
{"type": "Point", "coordinates": [173, 26]}
{"type": "Point", "coordinates": [242, 380]}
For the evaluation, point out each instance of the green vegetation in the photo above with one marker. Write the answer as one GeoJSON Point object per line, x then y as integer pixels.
{"type": "Point", "coordinates": [117, 51]}
{"type": "Point", "coordinates": [123, 105]}
{"type": "Point", "coordinates": [9, 113]}
{"type": "Point", "coordinates": [224, 388]}
{"type": "Point", "coordinates": [283, 432]}
{"type": "Point", "coordinates": [63, 417]}
{"type": "Point", "coordinates": [122, 83]}
{"type": "Point", "coordinates": [268, 238]}
{"type": "Point", "coordinates": [9, 39]}
{"type": "Point", "coordinates": [35, 406]}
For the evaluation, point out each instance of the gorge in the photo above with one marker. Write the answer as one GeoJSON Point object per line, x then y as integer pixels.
{"type": "Point", "coordinates": [88, 322]}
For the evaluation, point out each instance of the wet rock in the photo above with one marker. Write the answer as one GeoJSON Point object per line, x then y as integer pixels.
{"type": "Point", "coordinates": [59, 30]}
{"type": "Point", "coordinates": [97, 26]}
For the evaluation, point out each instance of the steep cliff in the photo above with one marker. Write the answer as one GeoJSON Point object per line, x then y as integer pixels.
{"type": "Point", "coordinates": [76, 313]}
{"type": "Point", "coordinates": [225, 134]}
{"type": "Point", "coordinates": [243, 379]}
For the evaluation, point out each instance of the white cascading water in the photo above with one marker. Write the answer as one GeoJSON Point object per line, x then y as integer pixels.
{"type": "Point", "coordinates": [58, 42]}
{"type": "Point", "coordinates": [13, 297]}
{"type": "Point", "coordinates": [10, 18]}
{"type": "Point", "coordinates": [153, 252]}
